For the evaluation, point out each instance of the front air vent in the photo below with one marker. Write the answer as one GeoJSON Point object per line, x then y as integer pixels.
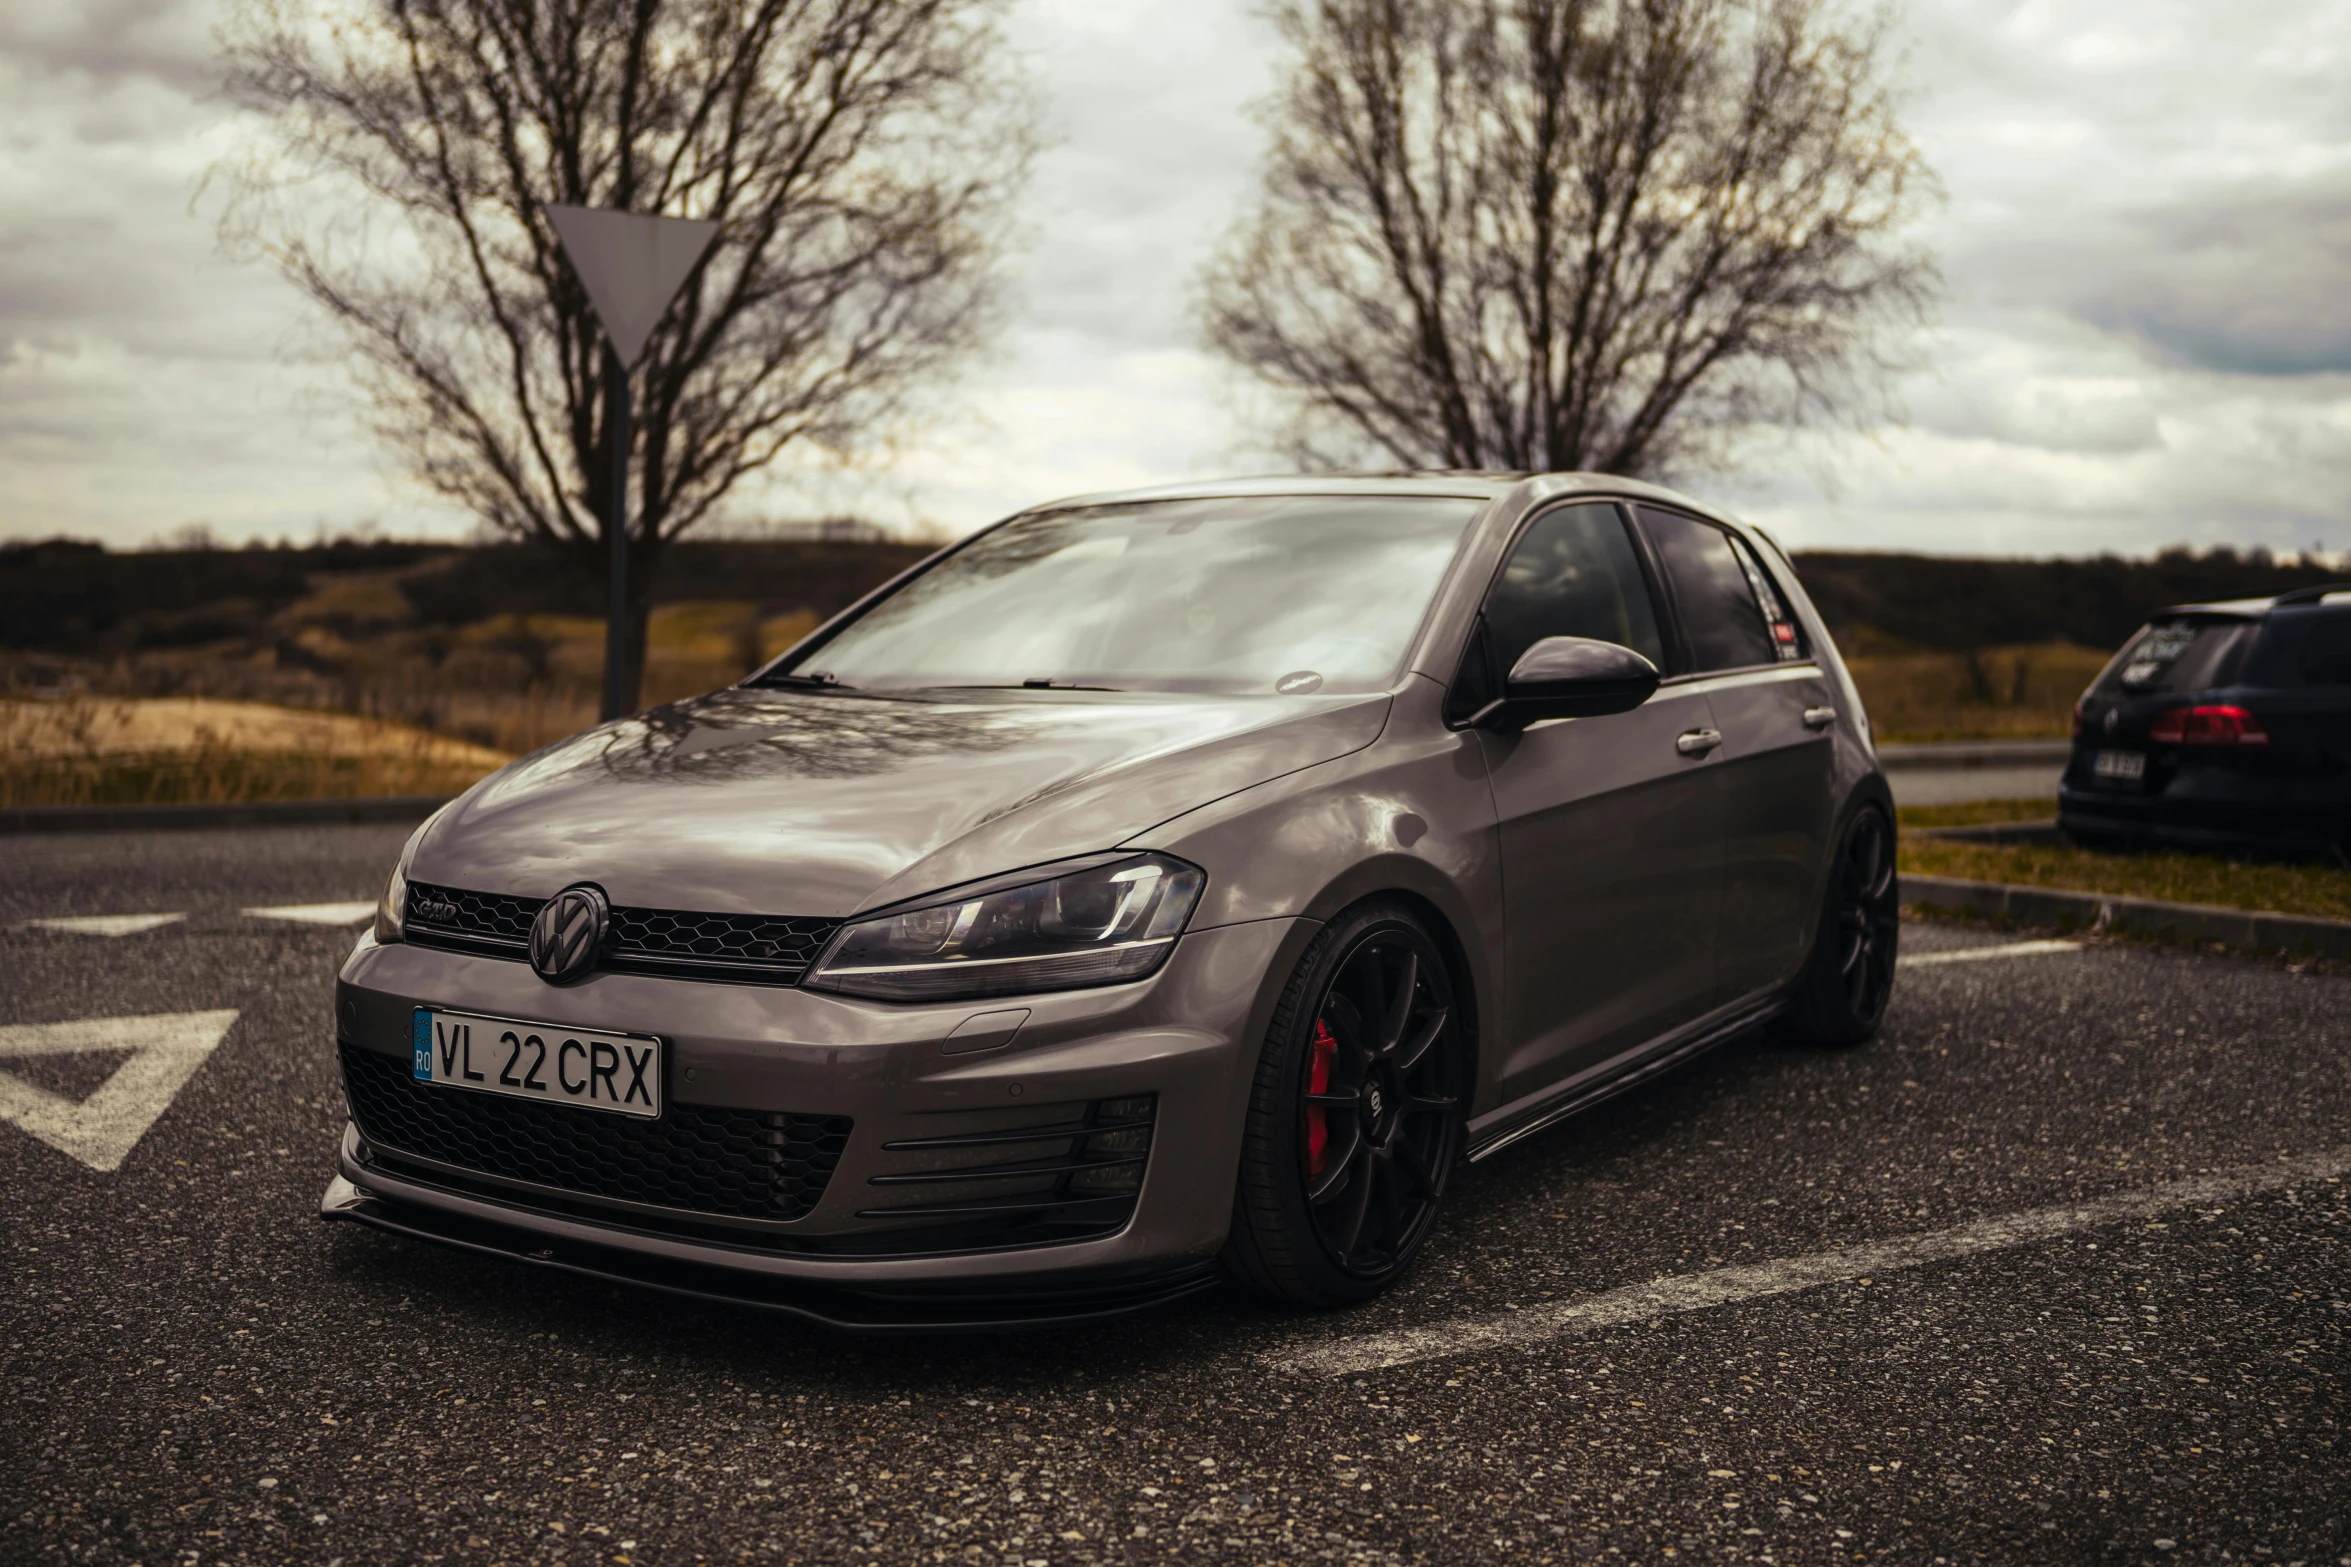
{"type": "Point", "coordinates": [1054, 1173]}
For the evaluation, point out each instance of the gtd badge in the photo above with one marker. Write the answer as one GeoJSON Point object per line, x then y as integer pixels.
{"type": "Point", "coordinates": [568, 933]}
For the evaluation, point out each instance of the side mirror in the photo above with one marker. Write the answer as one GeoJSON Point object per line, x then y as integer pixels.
{"type": "Point", "coordinates": [1570, 677]}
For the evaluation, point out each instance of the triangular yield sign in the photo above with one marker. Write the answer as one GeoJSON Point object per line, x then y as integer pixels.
{"type": "Point", "coordinates": [632, 264]}
{"type": "Point", "coordinates": [102, 1129]}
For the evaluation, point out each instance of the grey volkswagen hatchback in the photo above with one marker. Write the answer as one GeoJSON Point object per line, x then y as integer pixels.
{"type": "Point", "coordinates": [1151, 890]}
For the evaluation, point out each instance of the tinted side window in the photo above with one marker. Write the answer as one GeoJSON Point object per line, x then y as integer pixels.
{"type": "Point", "coordinates": [1573, 574]}
{"type": "Point", "coordinates": [1713, 592]}
{"type": "Point", "coordinates": [2326, 653]}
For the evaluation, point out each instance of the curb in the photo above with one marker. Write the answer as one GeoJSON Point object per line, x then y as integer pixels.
{"type": "Point", "coordinates": [253, 813]}
{"type": "Point", "coordinates": [2296, 934]}
{"type": "Point", "coordinates": [1939, 755]}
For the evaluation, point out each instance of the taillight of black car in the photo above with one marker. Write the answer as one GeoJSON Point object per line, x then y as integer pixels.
{"type": "Point", "coordinates": [2207, 724]}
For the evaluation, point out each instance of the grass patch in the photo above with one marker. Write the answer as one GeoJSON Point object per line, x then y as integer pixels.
{"type": "Point", "coordinates": [2270, 886]}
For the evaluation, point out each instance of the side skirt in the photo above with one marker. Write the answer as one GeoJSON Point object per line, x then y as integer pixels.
{"type": "Point", "coordinates": [1578, 1097]}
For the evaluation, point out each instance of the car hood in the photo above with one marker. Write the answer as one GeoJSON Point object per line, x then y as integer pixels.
{"type": "Point", "coordinates": [826, 803]}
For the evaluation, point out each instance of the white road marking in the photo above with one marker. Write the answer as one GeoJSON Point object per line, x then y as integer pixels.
{"type": "Point", "coordinates": [1726, 1286]}
{"type": "Point", "coordinates": [167, 1048]}
{"type": "Point", "coordinates": [2013, 949]}
{"type": "Point", "coordinates": [107, 924]}
{"type": "Point", "coordinates": [318, 913]}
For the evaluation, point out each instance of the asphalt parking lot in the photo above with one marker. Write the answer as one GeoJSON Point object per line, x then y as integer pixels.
{"type": "Point", "coordinates": [2056, 1270]}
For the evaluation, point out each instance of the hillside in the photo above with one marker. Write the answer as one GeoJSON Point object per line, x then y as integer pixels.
{"type": "Point", "coordinates": [1952, 604]}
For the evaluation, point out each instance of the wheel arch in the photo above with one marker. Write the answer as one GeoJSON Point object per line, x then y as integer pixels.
{"type": "Point", "coordinates": [1870, 789]}
{"type": "Point", "coordinates": [1470, 979]}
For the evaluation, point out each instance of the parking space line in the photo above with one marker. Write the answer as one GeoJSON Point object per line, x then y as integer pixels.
{"type": "Point", "coordinates": [317, 913]}
{"type": "Point", "coordinates": [1679, 1293]}
{"type": "Point", "coordinates": [106, 924]}
{"type": "Point", "coordinates": [2013, 949]}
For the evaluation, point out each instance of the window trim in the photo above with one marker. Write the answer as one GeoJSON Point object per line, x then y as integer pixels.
{"type": "Point", "coordinates": [1478, 644]}
{"type": "Point", "coordinates": [1687, 671]}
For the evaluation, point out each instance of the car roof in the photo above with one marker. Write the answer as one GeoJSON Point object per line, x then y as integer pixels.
{"type": "Point", "coordinates": [2254, 609]}
{"type": "Point", "coordinates": [2243, 609]}
{"type": "Point", "coordinates": [1469, 484]}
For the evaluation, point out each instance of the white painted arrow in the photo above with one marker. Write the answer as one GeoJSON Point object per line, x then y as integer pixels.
{"type": "Point", "coordinates": [106, 924]}
{"type": "Point", "coordinates": [318, 913]}
{"type": "Point", "coordinates": [101, 1130]}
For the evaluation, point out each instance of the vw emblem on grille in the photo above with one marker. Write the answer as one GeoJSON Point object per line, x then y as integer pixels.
{"type": "Point", "coordinates": [568, 933]}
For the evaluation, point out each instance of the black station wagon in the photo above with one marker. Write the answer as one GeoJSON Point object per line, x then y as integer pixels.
{"type": "Point", "coordinates": [2220, 726]}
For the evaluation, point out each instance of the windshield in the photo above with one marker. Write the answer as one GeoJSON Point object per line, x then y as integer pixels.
{"type": "Point", "coordinates": [1286, 594]}
{"type": "Point", "coordinates": [2180, 655]}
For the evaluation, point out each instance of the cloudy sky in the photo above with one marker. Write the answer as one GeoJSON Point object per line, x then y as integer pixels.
{"type": "Point", "coordinates": [2146, 340]}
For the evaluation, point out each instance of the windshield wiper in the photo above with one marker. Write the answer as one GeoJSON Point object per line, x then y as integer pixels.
{"type": "Point", "coordinates": [1031, 685]}
{"type": "Point", "coordinates": [814, 680]}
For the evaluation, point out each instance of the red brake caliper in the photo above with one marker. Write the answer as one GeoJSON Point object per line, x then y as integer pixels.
{"type": "Point", "coordinates": [1318, 1081]}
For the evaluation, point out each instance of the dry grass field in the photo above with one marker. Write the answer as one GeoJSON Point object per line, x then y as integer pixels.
{"type": "Point", "coordinates": [2022, 692]}
{"type": "Point", "coordinates": [347, 702]}
{"type": "Point", "coordinates": [193, 750]}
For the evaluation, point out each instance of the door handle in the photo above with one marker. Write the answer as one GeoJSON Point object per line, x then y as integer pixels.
{"type": "Point", "coordinates": [1819, 717]}
{"type": "Point", "coordinates": [1697, 742]}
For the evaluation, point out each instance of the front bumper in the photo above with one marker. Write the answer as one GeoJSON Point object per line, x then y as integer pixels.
{"type": "Point", "coordinates": [1049, 1302]}
{"type": "Point", "coordinates": [1187, 1037]}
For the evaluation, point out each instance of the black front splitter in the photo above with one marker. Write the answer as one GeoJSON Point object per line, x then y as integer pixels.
{"type": "Point", "coordinates": [902, 1312]}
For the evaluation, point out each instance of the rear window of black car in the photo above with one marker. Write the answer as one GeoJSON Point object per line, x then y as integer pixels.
{"type": "Point", "coordinates": [2185, 654]}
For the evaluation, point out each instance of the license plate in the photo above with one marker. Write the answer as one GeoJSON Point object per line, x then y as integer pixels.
{"type": "Point", "coordinates": [2122, 764]}
{"type": "Point", "coordinates": [545, 1061]}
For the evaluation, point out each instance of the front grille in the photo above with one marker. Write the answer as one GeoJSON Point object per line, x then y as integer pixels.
{"type": "Point", "coordinates": [771, 949]}
{"type": "Point", "coordinates": [451, 916]}
{"type": "Point", "coordinates": [671, 941]}
{"type": "Point", "coordinates": [739, 1164]}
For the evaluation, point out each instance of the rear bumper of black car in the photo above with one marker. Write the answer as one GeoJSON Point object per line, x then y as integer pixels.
{"type": "Point", "coordinates": [2203, 807]}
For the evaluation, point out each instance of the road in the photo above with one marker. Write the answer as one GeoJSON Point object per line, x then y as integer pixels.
{"type": "Point", "coordinates": [2058, 1269]}
{"type": "Point", "coordinates": [1949, 773]}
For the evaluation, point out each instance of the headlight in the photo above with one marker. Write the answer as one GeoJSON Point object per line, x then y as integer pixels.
{"type": "Point", "coordinates": [392, 907]}
{"type": "Point", "coordinates": [1103, 923]}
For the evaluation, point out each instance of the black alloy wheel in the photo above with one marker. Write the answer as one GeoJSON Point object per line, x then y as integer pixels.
{"type": "Point", "coordinates": [1843, 995]}
{"type": "Point", "coordinates": [1357, 1121]}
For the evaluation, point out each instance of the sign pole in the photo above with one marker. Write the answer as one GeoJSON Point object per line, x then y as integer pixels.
{"type": "Point", "coordinates": [616, 628]}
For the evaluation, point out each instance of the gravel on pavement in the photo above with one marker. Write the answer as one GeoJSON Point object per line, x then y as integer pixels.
{"type": "Point", "coordinates": [194, 1370]}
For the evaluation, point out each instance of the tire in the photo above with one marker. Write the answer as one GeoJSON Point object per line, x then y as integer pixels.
{"type": "Point", "coordinates": [1356, 1119]}
{"type": "Point", "coordinates": [1842, 994]}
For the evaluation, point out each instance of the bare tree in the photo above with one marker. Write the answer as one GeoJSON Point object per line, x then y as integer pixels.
{"type": "Point", "coordinates": [857, 154]}
{"type": "Point", "coordinates": [1571, 234]}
